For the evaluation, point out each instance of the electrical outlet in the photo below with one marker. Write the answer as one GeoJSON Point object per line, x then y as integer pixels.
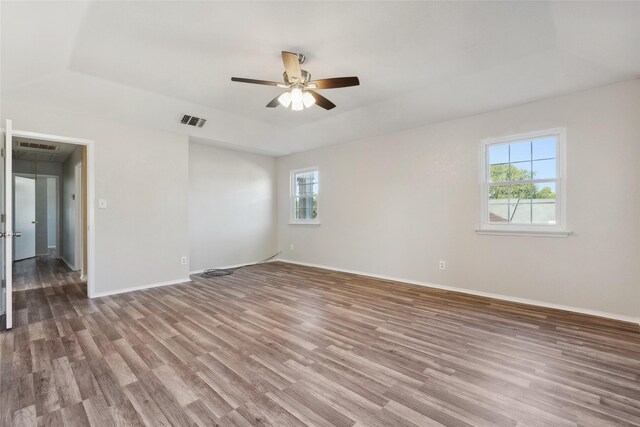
{"type": "Point", "coordinates": [183, 260]}
{"type": "Point", "coordinates": [290, 246]}
{"type": "Point", "coordinates": [442, 264]}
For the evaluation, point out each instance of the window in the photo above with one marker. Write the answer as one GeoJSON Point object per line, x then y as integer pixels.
{"type": "Point", "coordinates": [523, 184]}
{"type": "Point", "coordinates": [304, 196]}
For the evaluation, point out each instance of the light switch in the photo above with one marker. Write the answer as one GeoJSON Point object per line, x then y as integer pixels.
{"type": "Point", "coordinates": [102, 204]}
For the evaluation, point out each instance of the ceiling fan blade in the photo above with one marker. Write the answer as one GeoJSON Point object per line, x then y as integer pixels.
{"type": "Point", "coordinates": [258, 82]}
{"type": "Point", "coordinates": [292, 65]}
{"type": "Point", "coordinates": [274, 102]}
{"type": "Point", "coordinates": [334, 83]}
{"type": "Point", "coordinates": [321, 101]}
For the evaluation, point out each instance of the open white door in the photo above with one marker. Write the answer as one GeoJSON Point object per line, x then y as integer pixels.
{"type": "Point", "coordinates": [24, 218]}
{"type": "Point", "coordinates": [3, 290]}
{"type": "Point", "coordinates": [6, 227]}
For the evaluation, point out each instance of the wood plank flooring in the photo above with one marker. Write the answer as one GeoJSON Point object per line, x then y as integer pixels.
{"type": "Point", "coordinates": [281, 345]}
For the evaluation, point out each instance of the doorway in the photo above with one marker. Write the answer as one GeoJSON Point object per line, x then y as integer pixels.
{"type": "Point", "coordinates": [37, 196]}
{"type": "Point", "coordinates": [36, 215]}
{"type": "Point", "coordinates": [46, 190]}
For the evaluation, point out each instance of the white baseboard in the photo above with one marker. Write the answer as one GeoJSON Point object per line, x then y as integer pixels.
{"type": "Point", "coordinates": [527, 301]}
{"type": "Point", "coordinates": [139, 288]}
{"type": "Point", "coordinates": [68, 263]}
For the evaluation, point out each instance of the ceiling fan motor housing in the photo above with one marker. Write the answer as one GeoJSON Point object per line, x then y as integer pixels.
{"type": "Point", "coordinates": [306, 77]}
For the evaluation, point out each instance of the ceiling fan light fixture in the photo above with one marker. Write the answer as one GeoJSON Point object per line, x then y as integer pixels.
{"type": "Point", "coordinates": [301, 89]}
{"type": "Point", "coordinates": [285, 99]}
{"type": "Point", "coordinates": [308, 99]}
{"type": "Point", "coordinates": [296, 95]}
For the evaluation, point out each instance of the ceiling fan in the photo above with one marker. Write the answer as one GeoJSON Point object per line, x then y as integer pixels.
{"type": "Point", "coordinates": [300, 93]}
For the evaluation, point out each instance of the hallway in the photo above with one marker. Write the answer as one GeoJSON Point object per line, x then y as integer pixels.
{"type": "Point", "coordinates": [43, 272]}
{"type": "Point", "coordinates": [42, 285]}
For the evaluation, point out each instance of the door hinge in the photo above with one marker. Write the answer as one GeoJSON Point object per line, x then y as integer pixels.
{"type": "Point", "coordinates": [1, 218]}
{"type": "Point", "coordinates": [2, 152]}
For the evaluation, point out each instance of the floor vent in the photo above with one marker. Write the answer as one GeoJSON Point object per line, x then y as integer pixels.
{"type": "Point", "coordinates": [193, 121]}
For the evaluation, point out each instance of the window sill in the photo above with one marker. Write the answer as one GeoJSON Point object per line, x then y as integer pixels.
{"type": "Point", "coordinates": [311, 223]}
{"type": "Point", "coordinates": [532, 233]}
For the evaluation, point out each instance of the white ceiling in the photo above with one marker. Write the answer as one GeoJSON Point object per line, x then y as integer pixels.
{"type": "Point", "coordinates": [418, 62]}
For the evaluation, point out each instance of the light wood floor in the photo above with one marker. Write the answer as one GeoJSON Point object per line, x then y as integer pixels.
{"type": "Point", "coordinates": [283, 345]}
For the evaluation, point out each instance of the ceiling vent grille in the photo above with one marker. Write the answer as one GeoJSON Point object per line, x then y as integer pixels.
{"type": "Point", "coordinates": [37, 146]}
{"type": "Point", "coordinates": [193, 121]}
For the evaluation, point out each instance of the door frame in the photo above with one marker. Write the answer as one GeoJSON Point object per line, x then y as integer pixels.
{"type": "Point", "coordinates": [90, 167]}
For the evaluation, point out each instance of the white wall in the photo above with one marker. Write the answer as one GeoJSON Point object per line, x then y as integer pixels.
{"type": "Point", "coordinates": [52, 211]}
{"type": "Point", "coordinates": [232, 217]}
{"type": "Point", "coordinates": [42, 224]}
{"type": "Point", "coordinates": [394, 205]}
{"type": "Point", "coordinates": [43, 168]}
{"type": "Point", "coordinates": [143, 175]}
{"type": "Point", "coordinates": [68, 209]}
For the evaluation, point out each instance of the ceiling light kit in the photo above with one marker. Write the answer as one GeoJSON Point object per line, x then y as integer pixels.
{"type": "Point", "coordinates": [300, 94]}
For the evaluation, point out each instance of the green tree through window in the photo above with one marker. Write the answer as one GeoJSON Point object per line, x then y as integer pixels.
{"type": "Point", "coordinates": [506, 173]}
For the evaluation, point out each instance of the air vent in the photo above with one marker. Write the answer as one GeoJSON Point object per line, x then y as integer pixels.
{"type": "Point", "coordinates": [193, 121]}
{"type": "Point", "coordinates": [37, 146]}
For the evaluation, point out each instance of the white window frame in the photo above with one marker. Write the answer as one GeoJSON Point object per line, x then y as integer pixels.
{"type": "Point", "coordinates": [292, 198]}
{"type": "Point", "coordinates": [551, 230]}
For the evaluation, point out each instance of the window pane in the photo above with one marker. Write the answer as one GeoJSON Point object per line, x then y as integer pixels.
{"type": "Point", "coordinates": [307, 176]}
{"type": "Point", "coordinates": [520, 211]}
{"type": "Point", "coordinates": [498, 212]}
{"type": "Point", "coordinates": [544, 148]}
{"type": "Point", "coordinates": [306, 207]}
{"type": "Point", "coordinates": [544, 169]}
{"type": "Point", "coordinates": [314, 207]}
{"type": "Point", "coordinates": [306, 183]}
{"type": "Point", "coordinates": [512, 197]}
{"type": "Point", "coordinates": [544, 212]}
{"type": "Point", "coordinates": [498, 154]}
{"type": "Point", "coordinates": [520, 151]}
{"type": "Point", "coordinates": [305, 191]}
{"type": "Point", "coordinates": [522, 191]}
{"type": "Point", "coordinates": [545, 191]}
{"type": "Point", "coordinates": [499, 192]}
{"type": "Point", "coordinates": [304, 188]}
{"type": "Point", "coordinates": [499, 173]}
{"type": "Point", "coordinates": [520, 171]}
